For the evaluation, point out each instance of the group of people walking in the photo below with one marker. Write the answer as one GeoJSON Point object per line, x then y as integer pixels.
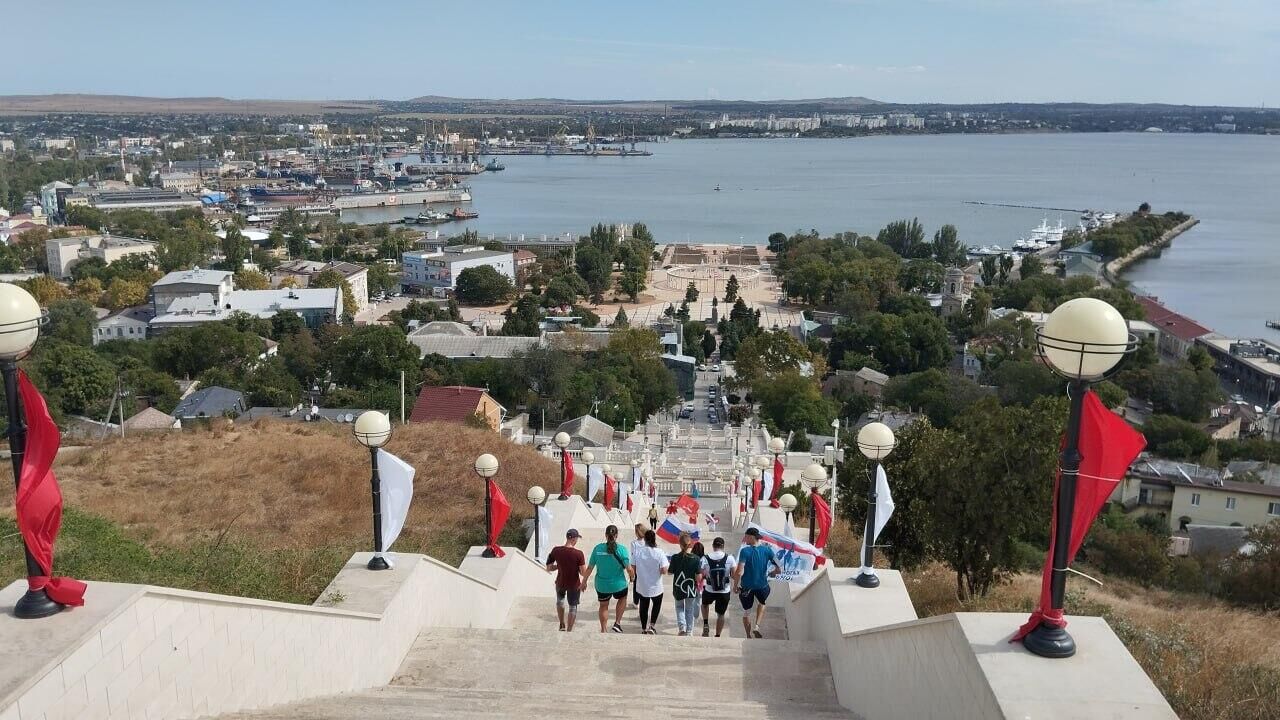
{"type": "Point", "coordinates": [699, 579]}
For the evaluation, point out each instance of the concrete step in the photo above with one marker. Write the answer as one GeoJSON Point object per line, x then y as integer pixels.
{"type": "Point", "coordinates": [652, 667]}
{"type": "Point", "coordinates": [398, 703]}
{"type": "Point", "coordinates": [540, 614]}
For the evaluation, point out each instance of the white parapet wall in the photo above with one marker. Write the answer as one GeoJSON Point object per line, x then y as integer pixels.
{"type": "Point", "coordinates": [138, 651]}
{"type": "Point", "coordinates": [888, 665]}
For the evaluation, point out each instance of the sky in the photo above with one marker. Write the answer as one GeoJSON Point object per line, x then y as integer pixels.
{"type": "Point", "coordinates": [1222, 52]}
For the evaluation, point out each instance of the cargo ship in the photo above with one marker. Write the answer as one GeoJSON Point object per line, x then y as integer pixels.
{"type": "Point", "coordinates": [393, 198]}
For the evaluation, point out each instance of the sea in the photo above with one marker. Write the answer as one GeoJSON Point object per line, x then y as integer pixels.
{"type": "Point", "coordinates": [1225, 273]}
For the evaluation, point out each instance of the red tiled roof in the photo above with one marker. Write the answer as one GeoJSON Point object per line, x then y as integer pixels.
{"type": "Point", "coordinates": [451, 403]}
{"type": "Point", "coordinates": [1169, 321]}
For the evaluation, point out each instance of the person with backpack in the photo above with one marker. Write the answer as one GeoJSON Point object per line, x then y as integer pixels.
{"type": "Point", "coordinates": [611, 565]}
{"type": "Point", "coordinates": [647, 567]}
{"type": "Point", "coordinates": [567, 561]}
{"type": "Point", "coordinates": [751, 580]}
{"type": "Point", "coordinates": [686, 570]}
{"type": "Point", "coordinates": [717, 568]}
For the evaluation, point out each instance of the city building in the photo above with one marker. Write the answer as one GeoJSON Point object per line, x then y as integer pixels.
{"type": "Point", "coordinates": [149, 199]}
{"type": "Point", "coordinates": [1178, 333]}
{"type": "Point", "coordinates": [51, 195]}
{"type": "Point", "coordinates": [63, 253]}
{"type": "Point", "coordinates": [1186, 494]}
{"type": "Point", "coordinates": [1082, 260]}
{"type": "Point", "coordinates": [1251, 367]}
{"type": "Point", "coordinates": [211, 402]}
{"type": "Point", "coordinates": [180, 181]}
{"type": "Point", "coordinates": [302, 271]}
{"type": "Point", "coordinates": [957, 289]}
{"type": "Point", "coordinates": [458, 404]}
{"type": "Point", "coordinates": [427, 271]}
{"type": "Point", "coordinates": [181, 284]}
{"type": "Point", "coordinates": [315, 306]}
{"type": "Point", "coordinates": [127, 324]}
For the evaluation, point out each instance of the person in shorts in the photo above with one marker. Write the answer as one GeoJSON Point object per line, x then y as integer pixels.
{"type": "Point", "coordinates": [567, 561]}
{"type": "Point", "coordinates": [751, 580]}
{"type": "Point", "coordinates": [611, 565]}
{"type": "Point", "coordinates": [717, 570]}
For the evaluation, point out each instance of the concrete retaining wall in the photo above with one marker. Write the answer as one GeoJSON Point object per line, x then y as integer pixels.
{"type": "Point", "coordinates": [145, 652]}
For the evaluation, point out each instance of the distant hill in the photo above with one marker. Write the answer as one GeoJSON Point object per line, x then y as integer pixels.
{"type": "Point", "coordinates": [132, 104]}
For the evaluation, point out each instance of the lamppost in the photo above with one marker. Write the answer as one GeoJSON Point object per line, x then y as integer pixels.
{"type": "Point", "coordinates": [1082, 340]}
{"type": "Point", "coordinates": [875, 440]}
{"type": "Point", "coordinates": [635, 476]}
{"type": "Point", "coordinates": [788, 504]}
{"type": "Point", "coordinates": [562, 441]}
{"type": "Point", "coordinates": [536, 497]}
{"type": "Point", "coordinates": [606, 470]}
{"type": "Point", "coordinates": [813, 477]}
{"type": "Point", "coordinates": [486, 467]}
{"type": "Point", "coordinates": [647, 480]}
{"type": "Point", "coordinates": [20, 319]}
{"type": "Point", "coordinates": [588, 457]}
{"type": "Point", "coordinates": [372, 430]}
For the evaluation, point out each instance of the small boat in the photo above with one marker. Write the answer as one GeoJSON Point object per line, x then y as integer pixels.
{"type": "Point", "coordinates": [716, 188]}
{"type": "Point", "coordinates": [428, 217]}
{"type": "Point", "coordinates": [460, 214]}
{"type": "Point", "coordinates": [1273, 324]}
{"type": "Point", "coordinates": [494, 166]}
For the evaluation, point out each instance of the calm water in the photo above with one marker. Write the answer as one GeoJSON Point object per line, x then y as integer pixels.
{"type": "Point", "coordinates": [1223, 273]}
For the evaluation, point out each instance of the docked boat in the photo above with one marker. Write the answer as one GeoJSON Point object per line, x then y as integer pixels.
{"type": "Point", "coordinates": [494, 166]}
{"type": "Point", "coordinates": [427, 217]}
{"type": "Point", "coordinates": [461, 214]}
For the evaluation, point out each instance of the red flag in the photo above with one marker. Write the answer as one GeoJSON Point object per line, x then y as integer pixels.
{"type": "Point", "coordinates": [501, 510]}
{"type": "Point", "coordinates": [742, 506]}
{"type": "Point", "coordinates": [610, 489]}
{"type": "Point", "coordinates": [566, 474]}
{"type": "Point", "coordinates": [777, 481]}
{"type": "Point", "coordinates": [1108, 446]}
{"type": "Point", "coordinates": [629, 505]}
{"type": "Point", "coordinates": [689, 506]}
{"type": "Point", "coordinates": [755, 493]}
{"type": "Point", "coordinates": [39, 501]}
{"type": "Point", "coordinates": [822, 516]}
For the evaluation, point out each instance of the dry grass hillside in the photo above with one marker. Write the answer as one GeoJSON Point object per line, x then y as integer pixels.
{"type": "Point", "coordinates": [282, 484]}
{"type": "Point", "coordinates": [269, 509]}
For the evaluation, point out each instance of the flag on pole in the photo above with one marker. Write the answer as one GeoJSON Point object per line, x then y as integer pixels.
{"type": "Point", "coordinates": [501, 510]}
{"type": "Point", "coordinates": [610, 490]}
{"type": "Point", "coordinates": [766, 487]}
{"type": "Point", "coordinates": [39, 501]}
{"type": "Point", "coordinates": [566, 474]}
{"type": "Point", "coordinates": [755, 493]}
{"type": "Point", "coordinates": [671, 528]}
{"type": "Point", "coordinates": [788, 528]}
{"type": "Point", "coordinates": [797, 557]}
{"type": "Point", "coordinates": [1108, 446]}
{"type": "Point", "coordinates": [777, 480]}
{"type": "Point", "coordinates": [396, 493]}
{"type": "Point", "coordinates": [544, 533]}
{"type": "Point", "coordinates": [595, 482]}
{"type": "Point", "coordinates": [822, 515]}
{"type": "Point", "coordinates": [688, 506]}
{"type": "Point", "coordinates": [884, 510]}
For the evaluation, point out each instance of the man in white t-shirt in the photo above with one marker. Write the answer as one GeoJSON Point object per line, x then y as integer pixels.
{"type": "Point", "coordinates": [717, 569]}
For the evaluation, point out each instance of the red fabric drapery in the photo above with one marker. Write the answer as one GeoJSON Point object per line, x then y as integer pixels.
{"type": "Point", "coordinates": [500, 511]}
{"type": "Point", "coordinates": [566, 473]}
{"type": "Point", "coordinates": [777, 481]}
{"type": "Point", "coordinates": [610, 490]}
{"type": "Point", "coordinates": [39, 501]}
{"type": "Point", "coordinates": [1108, 446]}
{"type": "Point", "coordinates": [822, 516]}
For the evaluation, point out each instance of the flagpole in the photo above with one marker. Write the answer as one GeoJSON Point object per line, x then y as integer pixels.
{"type": "Point", "coordinates": [488, 517]}
{"type": "Point", "coordinates": [875, 440]}
{"type": "Point", "coordinates": [373, 430]}
{"type": "Point", "coordinates": [33, 604]}
{"type": "Point", "coordinates": [866, 579]}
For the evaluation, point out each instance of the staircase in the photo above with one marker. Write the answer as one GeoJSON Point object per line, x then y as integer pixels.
{"type": "Point", "coordinates": [530, 670]}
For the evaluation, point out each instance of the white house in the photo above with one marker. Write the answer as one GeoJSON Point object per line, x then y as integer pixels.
{"type": "Point", "coordinates": [191, 283]}
{"type": "Point", "coordinates": [128, 324]}
{"type": "Point", "coordinates": [441, 270]}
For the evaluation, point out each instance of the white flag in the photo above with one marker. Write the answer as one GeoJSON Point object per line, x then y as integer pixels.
{"type": "Point", "coordinates": [787, 528]}
{"type": "Point", "coordinates": [766, 486]}
{"type": "Point", "coordinates": [544, 533]}
{"type": "Point", "coordinates": [635, 480]}
{"type": "Point", "coordinates": [884, 510]}
{"type": "Point", "coordinates": [595, 482]}
{"type": "Point", "coordinates": [396, 490]}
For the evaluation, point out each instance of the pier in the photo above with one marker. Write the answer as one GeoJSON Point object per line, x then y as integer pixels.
{"type": "Point", "coordinates": [1024, 207]}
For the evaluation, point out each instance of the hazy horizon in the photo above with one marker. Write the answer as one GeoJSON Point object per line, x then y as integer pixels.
{"type": "Point", "coordinates": [1179, 52]}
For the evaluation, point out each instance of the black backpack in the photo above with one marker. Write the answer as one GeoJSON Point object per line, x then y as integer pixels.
{"type": "Point", "coordinates": [718, 578]}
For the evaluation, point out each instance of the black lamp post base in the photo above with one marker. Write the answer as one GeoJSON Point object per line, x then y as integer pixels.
{"type": "Point", "coordinates": [377, 562]}
{"type": "Point", "coordinates": [36, 604]}
{"type": "Point", "coordinates": [489, 553]}
{"type": "Point", "coordinates": [867, 581]}
{"type": "Point", "coordinates": [563, 497]}
{"type": "Point", "coordinates": [1049, 641]}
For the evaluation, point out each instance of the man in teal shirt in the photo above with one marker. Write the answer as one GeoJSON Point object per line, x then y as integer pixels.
{"type": "Point", "coordinates": [610, 563]}
{"type": "Point", "coordinates": [751, 579]}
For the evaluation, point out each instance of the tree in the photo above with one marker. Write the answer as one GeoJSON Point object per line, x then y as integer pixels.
{"type": "Point", "coordinates": [620, 319]}
{"type": "Point", "coordinates": [1006, 266]}
{"type": "Point", "coordinates": [1175, 438]}
{"type": "Point", "coordinates": [708, 343]}
{"type": "Point", "coordinates": [88, 289]}
{"type": "Point", "coordinates": [331, 278]}
{"type": "Point", "coordinates": [791, 401]}
{"type": "Point", "coordinates": [731, 289]}
{"type": "Point", "coordinates": [251, 280]}
{"type": "Point", "coordinates": [121, 294]}
{"type": "Point", "coordinates": [301, 355]}
{"type": "Point", "coordinates": [187, 352]}
{"type": "Point", "coordinates": [766, 355]}
{"type": "Point", "coordinates": [1031, 266]}
{"type": "Point", "coordinates": [44, 289]}
{"type": "Point", "coordinates": [298, 243]}
{"type": "Point", "coordinates": [947, 249]}
{"type": "Point", "coordinates": [1254, 578]}
{"type": "Point", "coordinates": [76, 379]}
{"type": "Point", "coordinates": [691, 293]}
{"type": "Point", "coordinates": [595, 267]}
{"type": "Point", "coordinates": [941, 396]}
{"type": "Point", "coordinates": [482, 285]}
{"type": "Point", "coordinates": [903, 237]}
{"type": "Point", "coordinates": [900, 343]}
{"type": "Point", "coordinates": [524, 318]}
{"type": "Point", "coordinates": [371, 354]}
{"type": "Point", "coordinates": [286, 323]}
{"type": "Point", "coordinates": [235, 248]}
{"type": "Point", "coordinates": [72, 320]}
{"type": "Point", "coordinates": [632, 283]}
{"type": "Point", "coordinates": [1022, 382]}
{"type": "Point", "coordinates": [990, 270]}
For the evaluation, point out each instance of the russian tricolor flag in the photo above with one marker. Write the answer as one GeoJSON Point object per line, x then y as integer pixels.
{"type": "Point", "coordinates": [671, 528]}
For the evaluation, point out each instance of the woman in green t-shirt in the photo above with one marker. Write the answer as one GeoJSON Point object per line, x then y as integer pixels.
{"type": "Point", "coordinates": [610, 563]}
